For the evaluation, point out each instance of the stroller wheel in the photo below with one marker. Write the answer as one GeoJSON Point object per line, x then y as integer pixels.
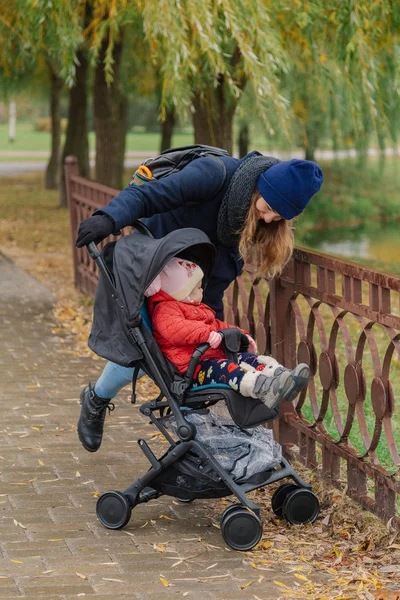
{"type": "Point", "coordinates": [279, 496]}
{"type": "Point", "coordinates": [184, 500]}
{"type": "Point", "coordinates": [300, 506]}
{"type": "Point", "coordinates": [230, 509]}
{"type": "Point", "coordinates": [241, 528]}
{"type": "Point", "coordinates": [113, 510]}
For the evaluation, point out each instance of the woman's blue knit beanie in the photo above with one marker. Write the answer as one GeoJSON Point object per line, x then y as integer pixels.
{"type": "Point", "coordinates": [289, 186]}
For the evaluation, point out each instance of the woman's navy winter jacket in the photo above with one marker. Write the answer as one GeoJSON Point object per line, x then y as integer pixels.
{"type": "Point", "coordinates": [189, 198]}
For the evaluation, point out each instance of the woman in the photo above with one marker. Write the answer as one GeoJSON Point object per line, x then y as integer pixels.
{"type": "Point", "coordinates": [243, 205]}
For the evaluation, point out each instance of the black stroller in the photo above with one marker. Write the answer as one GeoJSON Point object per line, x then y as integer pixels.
{"type": "Point", "coordinates": [189, 469]}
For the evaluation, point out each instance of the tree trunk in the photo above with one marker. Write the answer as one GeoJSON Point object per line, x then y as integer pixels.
{"type": "Point", "coordinates": [243, 140]}
{"type": "Point", "coordinates": [12, 120]}
{"type": "Point", "coordinates": [309, 153]}
{"type": "Point", "coordinates": [56, 86]}
{"type": "Point", "coordinates": [110, 118]}
{"type": "Point", "coordinates": [215, 108]}
{"type": "Point", "coordinates": [213, 117]}
{"type": "Point", "coordinates": [311, 134]}
{"type": "Point", "coordinates": [167, 129]}
{"type": "Point", "coordinates": [76, 139]}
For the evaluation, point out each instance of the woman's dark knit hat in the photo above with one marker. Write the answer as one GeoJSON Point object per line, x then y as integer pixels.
{"type": "Point", "coordinates": [289, 186]}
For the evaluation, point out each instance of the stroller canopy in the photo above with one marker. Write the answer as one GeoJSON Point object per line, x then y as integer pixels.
{"type": "Point", "coordinates": [138, 259]}
{"type": "Point", "coordinates": [135, 261]}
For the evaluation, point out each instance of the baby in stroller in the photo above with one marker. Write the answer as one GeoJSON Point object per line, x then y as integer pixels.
{"type": "Point", "coordinates": [181, 322]}
{"type": "Point", "coordinates": [177, 347]}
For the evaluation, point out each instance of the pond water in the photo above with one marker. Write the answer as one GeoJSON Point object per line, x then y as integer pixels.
{"type": "Point", "coordinates": [376, 244]}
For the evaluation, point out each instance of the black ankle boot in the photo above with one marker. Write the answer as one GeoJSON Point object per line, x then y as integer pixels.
{"type": "Point", "coordinates": [91, 420]}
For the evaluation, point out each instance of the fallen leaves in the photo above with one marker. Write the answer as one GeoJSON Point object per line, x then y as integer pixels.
{"type": "Point", "coordinates": [280, 584]}
{"type": "Point", "coordinates": [74, 324]}
{"type": "Point", "coordinates": [390, 569]}
{"type": "Point", "coordinates": [348, 554]}
{"type": "Point", "coordinates": [18, 524]}
{"type": "Point", "coordinates": [302, 577]}
{"type": "Point", "coordinates": [386, 595]}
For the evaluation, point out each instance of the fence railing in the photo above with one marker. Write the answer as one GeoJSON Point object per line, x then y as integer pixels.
{"type": "Point", "coordinates": [338, 317]}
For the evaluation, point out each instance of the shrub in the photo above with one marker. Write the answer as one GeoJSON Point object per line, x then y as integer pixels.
{"type": "Point", "coordinates": [44, 124]}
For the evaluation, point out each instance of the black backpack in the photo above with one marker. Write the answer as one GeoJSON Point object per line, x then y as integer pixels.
{"type": "Point", "coordinates": [171, 161]}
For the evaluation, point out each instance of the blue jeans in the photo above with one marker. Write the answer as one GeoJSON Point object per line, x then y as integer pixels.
{"type": "Point", "coordinates": [113, 379]}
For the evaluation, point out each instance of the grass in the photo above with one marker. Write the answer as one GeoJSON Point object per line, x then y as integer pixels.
{"type": "Point", "coordinates": [382, 340]}
{"type": "Point", "coordinates": [34, 231]}
{"type": "Point", "coordinates": [25, 158]}
{"type": "Point", "coordinates": [28, 140]}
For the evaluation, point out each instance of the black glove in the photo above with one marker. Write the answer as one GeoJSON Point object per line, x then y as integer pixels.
{"type": "Point", "coordinates": [95, 229]}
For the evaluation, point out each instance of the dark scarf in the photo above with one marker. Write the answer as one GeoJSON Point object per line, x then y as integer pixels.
{"type": "Point", "coordinates": [236, 202]}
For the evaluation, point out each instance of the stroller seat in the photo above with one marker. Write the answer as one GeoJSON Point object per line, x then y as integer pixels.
{"type": "Point", "coordinates": [122, 333]}
{"type": "Point", "coordinates": [245, 412]}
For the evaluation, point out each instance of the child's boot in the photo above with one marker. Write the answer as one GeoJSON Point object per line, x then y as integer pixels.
{"type": "Point", "coordinates": [91, 420]}
{"type": "Point", "coordinates": [270, 390]}
{"type": "Point", "coordinates": [300, 375]}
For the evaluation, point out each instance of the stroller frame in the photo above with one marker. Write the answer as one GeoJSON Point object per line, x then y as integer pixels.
{"type": "Point", "coordinates": [240, 523]}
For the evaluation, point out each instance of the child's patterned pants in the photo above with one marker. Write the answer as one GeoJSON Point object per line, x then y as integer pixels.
{"type": "Point", "coordinates": [225, 371]}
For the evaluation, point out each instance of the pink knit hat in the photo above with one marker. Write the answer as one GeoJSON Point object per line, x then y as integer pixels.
{"type": "Point", "coordinates": [178, 278]}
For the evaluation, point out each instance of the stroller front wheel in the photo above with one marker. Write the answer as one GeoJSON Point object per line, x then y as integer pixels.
{"type": "Point", "coordinates": [241, 528]}
{"type": "Point", "coordinates": [231, 508]}
{"type": "Point", "coordinates": [279, 497]}
{"type": "Point", "coordinates": [113, 510]}
{"type": "Point", "coordinates": [300, 506]}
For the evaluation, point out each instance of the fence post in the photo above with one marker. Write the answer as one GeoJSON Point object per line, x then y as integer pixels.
{"type": "Point", "coordinates": [283, 344]}
{"type": "Point", "coordinates": [71, 169]}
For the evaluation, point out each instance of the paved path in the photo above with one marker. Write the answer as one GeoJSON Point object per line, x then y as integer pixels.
{"type": "Point", "coordinates": [51, 545]}
{"type": "Point", "coordinates": [13, 167]}
{"type": "Point", "coordinates": [133, 159]}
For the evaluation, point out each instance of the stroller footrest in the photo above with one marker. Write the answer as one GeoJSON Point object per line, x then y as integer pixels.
{"type": "Point", "coordinates": [145, 448]}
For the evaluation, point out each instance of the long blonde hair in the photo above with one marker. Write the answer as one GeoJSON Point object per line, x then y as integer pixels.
{"type": "Point", "coordinates": [269, 246]}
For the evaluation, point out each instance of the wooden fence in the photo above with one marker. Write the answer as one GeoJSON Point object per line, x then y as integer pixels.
{"type": "Point", "coordinates": [338, 317]}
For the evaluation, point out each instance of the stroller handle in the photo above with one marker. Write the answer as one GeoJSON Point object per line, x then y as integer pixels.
{"type": "Point", "coordinates": [93, 250]}
{"type": "Point", "coordinates": [194, 361]}
{"type": "Point", "coordinates": [95, 254]}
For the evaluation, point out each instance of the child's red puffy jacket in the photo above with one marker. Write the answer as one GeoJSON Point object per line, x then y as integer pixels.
{"type": "Point", "coordinates": [179, 327]}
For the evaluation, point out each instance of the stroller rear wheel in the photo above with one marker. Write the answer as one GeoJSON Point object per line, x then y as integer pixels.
{"type": "Point", "coordinates": [113, 510]}
{"type": "Point", "coordinates": [279, 496]}
{"type": "Point", "coordinates": [241, 528]}
{"type": "Point", "coordinates": [300, 506]}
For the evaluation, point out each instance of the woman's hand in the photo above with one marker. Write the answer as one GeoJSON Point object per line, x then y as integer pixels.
{"type": "Point", "coordinates": [252, 345]}
{"type": "Point", "coordinates": [214, 339]}
{"type": "Point", "coordinates": [94, 229]}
